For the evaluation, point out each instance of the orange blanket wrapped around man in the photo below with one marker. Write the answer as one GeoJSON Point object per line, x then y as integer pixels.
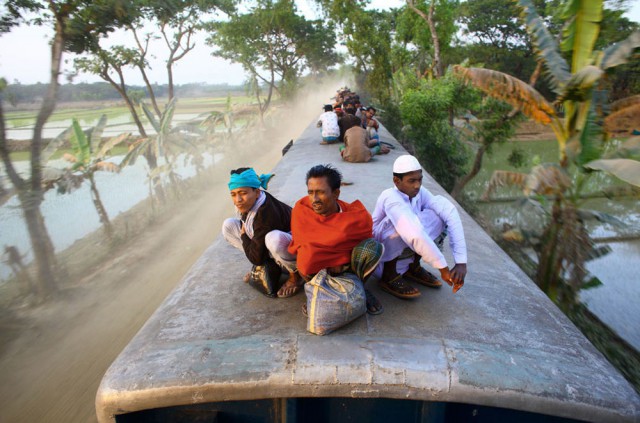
{"type": "Point", "coordinates": [322, 242]}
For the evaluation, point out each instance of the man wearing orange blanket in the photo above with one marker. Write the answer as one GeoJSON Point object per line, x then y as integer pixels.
{"type": "Point", "coordinates": [328, 233]}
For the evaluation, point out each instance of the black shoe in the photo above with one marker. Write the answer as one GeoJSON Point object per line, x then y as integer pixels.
{"type": "Point", "coordinates": [266, 278]}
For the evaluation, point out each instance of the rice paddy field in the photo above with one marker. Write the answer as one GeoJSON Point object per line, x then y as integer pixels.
{"type": "Point", "coordinates": [20, 123]}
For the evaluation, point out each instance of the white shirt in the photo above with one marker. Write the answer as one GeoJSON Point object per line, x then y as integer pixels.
{"type": "Point", "coordinates": [329, 123]}
{"type": "Point", "coordinates": [418, 222]}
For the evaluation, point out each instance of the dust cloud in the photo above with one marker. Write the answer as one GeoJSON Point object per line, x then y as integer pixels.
{"type": "Point", "coordinates": [52, 357]}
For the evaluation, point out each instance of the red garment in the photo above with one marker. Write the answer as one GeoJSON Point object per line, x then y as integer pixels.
{"type": "Point", "coordinates": [322, 242]}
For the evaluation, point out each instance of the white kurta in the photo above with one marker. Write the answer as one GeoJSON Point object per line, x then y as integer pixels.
{"type": "Point", "coordinates": [399, 223]}
{"type": "Point", "coordinates": [328, 121]}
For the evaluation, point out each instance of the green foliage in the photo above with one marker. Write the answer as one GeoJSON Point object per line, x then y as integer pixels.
{"type": "Point", "coordinates": [412, 29]}
{"type": "Point", "coordinates": [565, 244]}
{"type": "Point", "coordinates": [498, 40]}
{"type": "Point", "coordinates": [15, 12]}
{"type": "Point", "coordinates": [426, 112]}
{"type": "Point", "coordinates": [272, 42]}
{"type": "Point", "coordinates": [518, 157]}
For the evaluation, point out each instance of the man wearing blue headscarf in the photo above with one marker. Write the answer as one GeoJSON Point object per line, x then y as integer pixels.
{"type": "Point", "coordinates": [260, 232]}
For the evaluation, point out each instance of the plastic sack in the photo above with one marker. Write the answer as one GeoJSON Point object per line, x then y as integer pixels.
{"type": "Point", "coordinates": [333, 301]}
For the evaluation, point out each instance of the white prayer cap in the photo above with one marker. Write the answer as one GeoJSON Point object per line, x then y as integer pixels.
{"type": "Point", "coordinates": [405, 164]}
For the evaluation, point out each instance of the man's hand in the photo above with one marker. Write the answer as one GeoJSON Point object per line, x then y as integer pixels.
{"type": "Point", "coordinates": [455, 276]}
{"type": "Point", "coordinates": [445, 275]}
{"type": "Point", "coordinates": [458, 273]}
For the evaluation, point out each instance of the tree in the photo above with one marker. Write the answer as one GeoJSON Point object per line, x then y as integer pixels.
{"type": "Point", "coordinates": [76, 27]}
{"type": "Point", "coordinates": [496, 128]}
{"type": "Point", "coordinates": [500, 42]}
{"type": "Point", "coordinates": [439, 18]}
{"type": "Point", "coordinates": [425, 113]}
{"type": "Point", "coordinates": [178, 21]}
{"type": "Point", "coordinates": [110, 66]}
{"type": "Point", "coordinates": [565, 243]}
{"type": "Point", "coordinates": [87, 160]}
{"type": "Point", "coordinates": [274, 45]}
{"type": "Point", "coordinates": [367, 35]}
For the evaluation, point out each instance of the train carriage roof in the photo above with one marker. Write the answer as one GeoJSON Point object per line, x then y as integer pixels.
{"type": "Point", "coordinates": [498, 342]}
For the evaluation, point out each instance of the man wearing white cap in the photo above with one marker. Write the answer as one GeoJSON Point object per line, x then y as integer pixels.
{"type": "Point", "coordinates": [410, 221]}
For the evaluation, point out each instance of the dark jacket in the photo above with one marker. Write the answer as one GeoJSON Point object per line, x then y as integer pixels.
{"type": "Point", "coordinates": [273, 214]}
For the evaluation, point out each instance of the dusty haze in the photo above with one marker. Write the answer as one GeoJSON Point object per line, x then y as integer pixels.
{"type": "Point", "coordinates": [53, 357]}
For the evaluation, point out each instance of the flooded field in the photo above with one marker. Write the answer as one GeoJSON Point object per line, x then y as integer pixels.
{"type": "Point", "coordinates": [617, 301]}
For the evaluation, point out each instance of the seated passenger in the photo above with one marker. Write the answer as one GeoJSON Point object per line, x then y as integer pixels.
{"type": "Point", "coordinates": [370, 124]}
{"type": "Point", "coordinates": [328, 121]}
{"type": "Point", "coordinates": [347, 121]}
{"type": "Point", "coordinates": [328, 233]}
{"type": "Point", "coordinates": [258, 232]}
{"type": "Point", "coordinates": [412, 223]}
{"type": "Point", "coordinates": [358, 148]}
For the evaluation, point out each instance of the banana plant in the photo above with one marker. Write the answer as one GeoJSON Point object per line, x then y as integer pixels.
{"type": "Point", "coordinates": [167, 144]}
{"type": "Point", "coordinates": [565, 243]}
{"type": "Point", "coordinates": [216, 118]}
{"type": "Point", "coordinates": [85, 161]}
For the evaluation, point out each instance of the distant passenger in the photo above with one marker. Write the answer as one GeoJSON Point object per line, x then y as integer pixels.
{"type": "Point", "coordinates": [347, 121]}
{"type": "Point", "coordinates": [258, 232]}
{"type": "Point", "coordinates": [328, 233]}
{"type": "Point", "coordinates": [328, 121]}
{"type": "Point", "coordinates": [371, 124]}
{"type": "Point", "coordinates": [412, 223]}
{"type": "Point", "coordinates": [358, 148]}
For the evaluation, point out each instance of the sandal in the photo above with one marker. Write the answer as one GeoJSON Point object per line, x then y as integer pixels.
{"type": "Point", "coordinates": [374, 306]}
{"type": "Point", "coordinates": [293, 285]}
{"type": "Point", "coordinates": [294, 290]}
{"type": "Point", "coordinates": [398, 287]}
{"type": "Point", "coordinates": [423, 277]}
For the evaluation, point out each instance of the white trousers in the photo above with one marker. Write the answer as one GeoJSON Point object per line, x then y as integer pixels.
{"type": "Point", "coordinates": [276, 242]}
{"type": "Point", "coordinates": [394, 245]}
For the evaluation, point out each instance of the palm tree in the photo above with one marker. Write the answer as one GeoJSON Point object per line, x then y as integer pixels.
{"type": "Point", "coordinates": [565, 243]}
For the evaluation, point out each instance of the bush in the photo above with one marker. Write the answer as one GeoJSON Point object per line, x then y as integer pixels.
{"type": "Point", "coordinates": [427, 113]}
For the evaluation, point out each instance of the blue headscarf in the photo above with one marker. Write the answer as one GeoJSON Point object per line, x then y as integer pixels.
{"type": "Point", "coordinates": [249, 178]}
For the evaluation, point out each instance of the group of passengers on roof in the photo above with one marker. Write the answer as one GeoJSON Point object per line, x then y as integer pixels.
{"type": "Point", "coordinates": [323, 235]}
{"type": "Point", "coordinates": [346, 121]}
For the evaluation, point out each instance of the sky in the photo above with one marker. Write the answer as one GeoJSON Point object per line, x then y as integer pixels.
{"type": "Point", "coordinates": [25, 54]}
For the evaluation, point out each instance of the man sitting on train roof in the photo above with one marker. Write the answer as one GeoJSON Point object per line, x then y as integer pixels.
{"type": "Point", "coordinates": [258, 231]}
{"type": "Point", "coordinates": [328, 122]}
{"type": "Point", "coordinates": [412, 223]}
{"type": "Point", "coordinates": [328, 233]}
{"type": "Point", "coordinates": [371, 124]}
{"type": "Point", "coordinates": [358, 147]}
{"type": "Point", "coordinates": [348, 120]}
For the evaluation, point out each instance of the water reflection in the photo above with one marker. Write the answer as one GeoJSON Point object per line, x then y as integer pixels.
{"type": "Point", "coordinates": [69, 217]}
{"type": "Point", "coordinates": [617, 301]}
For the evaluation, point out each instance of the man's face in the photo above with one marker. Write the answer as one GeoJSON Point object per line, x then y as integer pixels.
{"type": "Point", "coordinates": [410, 184]}
{"type": "Point", "coordinates": [371, 113]}
{"type": "Point", "coordinates": [323, 199]}
{"type": "Point", "coordinates": [244, 198]}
